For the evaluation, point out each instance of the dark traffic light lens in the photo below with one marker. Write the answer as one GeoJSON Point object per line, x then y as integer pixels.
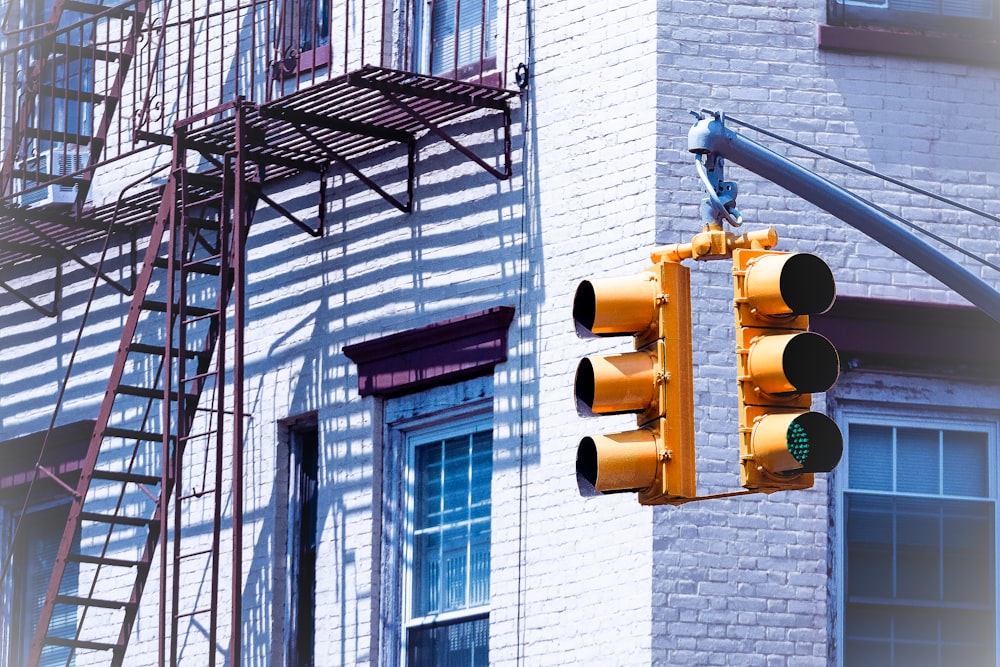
{"type": "Point", "coordinates": [810, 362]}
{"type": "Point", "coordinates": [815, 441]}
{"type": "Point", "coordinates": [807, 284]}
{"type": "Point", "coordinates": [585, 306]}
{"type": "Point", "coordinates": [584, 386]}
{"type": "Point", "coordinates": [586, 460]}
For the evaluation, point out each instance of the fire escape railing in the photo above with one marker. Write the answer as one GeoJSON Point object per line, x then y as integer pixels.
{"type": "Point", "coordinates": [99, 81]}
{"type": "Point", "coordinates": [61, 83]}
{"type": "Point", "coordinates": [202, 55]}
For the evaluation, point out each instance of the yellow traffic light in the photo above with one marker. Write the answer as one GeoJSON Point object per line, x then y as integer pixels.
{"type": "Point", "coordinates": [656, 460]}
{"type": "Point", "coordinates": [780, 364]}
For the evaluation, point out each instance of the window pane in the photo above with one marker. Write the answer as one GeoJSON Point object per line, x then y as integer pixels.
{"type": "Point", "coordinates": [454, 557]}
{"type": "Point", "coordinates": [927, 6]}
{"type": "Point", "coordinates": [918, 549]}
{"type": "Point", "coordinates": [473, 44]}
{"type": "Point", "coordinates": [451, 536]}
{"type": "Point", "coordinates": [870, 549]}
{"type": "Point", "coordinates": [918, 464]}
{"type": "Point", "coordinates": [867, 636]}
{"type": "Point", "coordinates": [966, 464]}
{"type": "Point", "coordinates": [870, 457]}
{"type": "Point", "coordinates": [426, 574]}
{"type": "Point", "coordinates": [39, 542]}
{"type": "Point", "coordinates": [461, 644]}
{"type": "Point", "coordinates": [968, 553]}
{"type": "Point", "coordinates": [894, 636]}
{"type": "Point", "coordinates": [479, 579]}
{"type": "Point", "coordinates": [428, 488]}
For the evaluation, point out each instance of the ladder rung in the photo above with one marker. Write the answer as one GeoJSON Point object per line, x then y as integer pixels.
{"type": "Point", "coordinates": [147, 392]}
{"type": "Point", "coordinates": [204, 225]}
{"type": "Point", "coordinates": [132, 434]}
{"type": "Point", "coordinates": [203, 201]}
{"type": "Point", "coordinates": [126, 477]}
{"type": "Point", "coordinates": [71, 94]}
{"type": "Point", "coordinates": [203, 267]}
{"type": "Point", "coordinates": [146, 348]}
{"type": "Point", "coordinates": [209, 181]}
{"type": "Point", "coordinates": [80, 51]}
{"type": "Point", "coordinates": [195, 267]}
{"type": "Point", "coordinates": [193, 311]}
{"type": "Point", "coordinates": [57, 135]}
{"type": "Point", "coordinates": [91, 8]}
{"type": "Point", "coordinates": [195, 554]}
{"type": "Point", "coordinates": [91, 602]}
{"type": "Point", "coordinates": [117, 519]}
{"type": "Point", "coordinates": [81, 644]}
{"type": "Point", "coordinates": [102, 560]}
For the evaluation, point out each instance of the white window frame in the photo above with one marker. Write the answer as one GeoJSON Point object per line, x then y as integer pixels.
{"type": "Point", "coordinates": [414, 438]}
{"type": "Point", "coordinates": [879, 415]}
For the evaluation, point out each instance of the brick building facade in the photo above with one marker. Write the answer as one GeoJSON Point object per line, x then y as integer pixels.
{"type": "Point", "coordinates": [410, 429]}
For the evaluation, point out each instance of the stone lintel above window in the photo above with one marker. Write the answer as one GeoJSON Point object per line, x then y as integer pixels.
{"type": "Point", "coordinates": [64, 451]}
{"type": "Point", "coordinates": [944, 47]}
{"type": "Point", "coordinates": [900, 336]}
{"type": "Point", "coordinates": [441, 353]}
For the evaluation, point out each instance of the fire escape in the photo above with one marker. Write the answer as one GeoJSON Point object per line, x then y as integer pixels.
{"type": "Point", "coordinates": [165, 455]}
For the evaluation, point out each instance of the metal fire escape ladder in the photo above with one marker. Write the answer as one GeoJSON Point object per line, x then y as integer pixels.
{"type": "Point", "coordinates": [48, 146]}
{"type": "Point", "coordinates": [132, 497]}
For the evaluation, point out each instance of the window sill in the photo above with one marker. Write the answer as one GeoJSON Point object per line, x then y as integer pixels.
{"type": "Point", "coordinates": [303, 63]}
{"type": "Point", "coordinates": [914, 45]}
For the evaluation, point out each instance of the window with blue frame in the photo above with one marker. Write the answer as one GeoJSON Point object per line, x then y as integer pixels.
{"type": "Point", "coordinates": [31, 561]}
{"type": "Point", "coordinates": [919, 545]}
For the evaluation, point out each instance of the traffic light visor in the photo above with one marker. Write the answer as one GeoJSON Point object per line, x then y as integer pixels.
{"type": "Point", "coordinates": [790, 443]}
{"type": "Point", "coordinates": [616, 306]}
{"type": "Point", "coordinates": [616, 383]}
{"type": "Point", "coordinates": [780, 285]}
{"type": "Point", "coordinates": [618, 461]}
{"type": "Point", "coordinates": [795, 363]}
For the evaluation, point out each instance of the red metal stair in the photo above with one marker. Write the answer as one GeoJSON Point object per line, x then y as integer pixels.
{"type": "Point", "coordinates": [169, 398]}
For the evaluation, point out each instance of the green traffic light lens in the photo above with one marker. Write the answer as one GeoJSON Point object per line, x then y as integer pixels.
{"type": "Point", "coordinates": [815, 441]}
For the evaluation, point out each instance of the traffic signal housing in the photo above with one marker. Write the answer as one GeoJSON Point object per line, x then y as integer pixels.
{"type": "Point", "coordinates": [656, 460]}
{"type": "Point", "coordinates": [780, 364]}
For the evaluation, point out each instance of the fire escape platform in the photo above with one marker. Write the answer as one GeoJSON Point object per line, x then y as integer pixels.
{"type": "Point", "coordinates": [333, 123]}
{"type": "Point", "coordinates": [52, 231]}
{"type": "Point", "coordinates": [349, 117]}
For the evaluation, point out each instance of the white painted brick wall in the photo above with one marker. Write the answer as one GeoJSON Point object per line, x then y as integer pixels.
{"type": "Point", "coordinates": [601, 160]}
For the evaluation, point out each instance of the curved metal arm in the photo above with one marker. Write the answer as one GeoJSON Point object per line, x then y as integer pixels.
{"type": "Point", "coordinates": [710, 136]}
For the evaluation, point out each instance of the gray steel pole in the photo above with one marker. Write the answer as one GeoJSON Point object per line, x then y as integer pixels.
{"type": "Point", "coordinates": [710, 135]}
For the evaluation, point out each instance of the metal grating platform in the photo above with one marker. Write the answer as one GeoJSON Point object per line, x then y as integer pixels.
{"type": "Point", "coordinates": [331, 123]}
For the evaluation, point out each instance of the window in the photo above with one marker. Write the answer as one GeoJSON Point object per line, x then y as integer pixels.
{"type": "Point", "coordinates": [302, 544]}
{"type": "Point", "coordinates": [304, 35]}
{"type": "Point", "coordinates": [919, 544]}
{"type": "Point", "coordinates": [59, 104]}
{"type": "Point", "coordinates": [447, 555]}
{"type": "Point", "coordinates": [33, 558]}
{"type": "Point", "coordinates": [969, 17]}
{"type": "Point", "coordinates": [456, 38]}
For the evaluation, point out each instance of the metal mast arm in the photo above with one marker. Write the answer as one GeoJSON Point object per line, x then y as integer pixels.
{"type": "Point", "coordinates": [710, 137]}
